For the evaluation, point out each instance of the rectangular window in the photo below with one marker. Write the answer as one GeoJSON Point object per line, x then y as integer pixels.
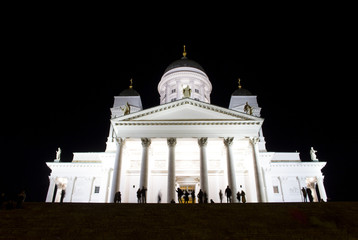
{"type": "Point", "coordinates": [96, 189]}
{"type": "Point", "coordinates": [197, 90]}
{"type": "Point", "coordinates": [173, 99]}
{"type": "Point", "coordinates": [275, 189]}
{"type": "Point", "coordinates": [174, 90]}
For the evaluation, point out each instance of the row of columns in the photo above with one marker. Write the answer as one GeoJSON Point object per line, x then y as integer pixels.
{"type": "Point", "coordinates": [202, 142]}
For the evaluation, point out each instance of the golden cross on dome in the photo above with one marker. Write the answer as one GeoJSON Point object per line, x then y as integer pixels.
{"type": "Point", "coordinates": [131, 86]}
{"type": "Point", "coordinates": [239, 83]}
{"type": "Point", "coordinates": [184, 53]}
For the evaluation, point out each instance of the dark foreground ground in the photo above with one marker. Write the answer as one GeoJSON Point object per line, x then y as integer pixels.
{"type": "Point", "coordinates": [172, 221]}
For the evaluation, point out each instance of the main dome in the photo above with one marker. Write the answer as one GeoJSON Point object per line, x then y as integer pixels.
{"type": "Point", "coordinates": [184, 74]}
{"type": "Point", "coordinates": [184, 62]}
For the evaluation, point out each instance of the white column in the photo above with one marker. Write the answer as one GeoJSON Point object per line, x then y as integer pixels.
{"type": "Point", "coordinates": [171, 169]}
{"type": "Point", "coordinates": [231, 175]}
{"type": "Point", "coordinates": [50, 190]}
{"type": "Point", "coordinates": [116, 177]}
{"type": "Point", "coordinates": [143, 181]}
{"type": "Point", "coordinates": [260, 187]}
{"type": "Point", "coordinates": [203, 166]}
{"type": "Point", "coordinates": [322, 190]}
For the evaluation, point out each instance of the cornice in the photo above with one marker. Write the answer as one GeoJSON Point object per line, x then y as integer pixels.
{"type": "Point", "coordinates": [242, 117]}
{"type": "Point", "coordinates": [193, 123]}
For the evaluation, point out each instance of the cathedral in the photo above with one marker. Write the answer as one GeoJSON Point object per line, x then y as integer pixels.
{"type": "Point", "coordinates": [188, 143]}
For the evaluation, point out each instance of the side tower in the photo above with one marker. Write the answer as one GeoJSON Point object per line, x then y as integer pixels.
{"type": "Point", "coordinates": [128, 101]}
{"type": "Point", "coordinates": [184, 74]}
{"type": "Point", "coordinates": [242, 100]}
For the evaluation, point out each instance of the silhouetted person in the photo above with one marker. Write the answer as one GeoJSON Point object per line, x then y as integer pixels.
{"type": "Point", "coordinates": [211, 201]}
{"type": "Point", "coordinates": [200, 196]}
{"type": "Point", "coordinates": [180, 194]}
{"type": "Point", "coordinates": [63, 193]}
{"type": "Point", "coordinates": [172, 201]}
{"type": "Point", "coordinates": [20, 199]}
{"type": "Point", "coordinates": [186, 196]}
{"type": "Point", "coordinates": [118, 197]}
{"type": "Point", "coordinates": [304, 193]}
{"type": "Point", "coordinates": [243, 196]}
{"type": "Point", "coordinates": [221, 196]}
{"type": "Point", "coordinates": [193, 196]}
{"type": "Point", "coordinates": [144, 194]}
{"type": "Point", "coordinates": [228, 194]}
{"type": "Point", "coordinates": [238, 196]}
{"type": "Point", "coordinates": [139, 195]}
{"type": "Point", "coordinates": [205, 197]}
{"type": "Point", "coordinates": [309, 194]}
{"type": "Point", "coordinates": [159, 197]}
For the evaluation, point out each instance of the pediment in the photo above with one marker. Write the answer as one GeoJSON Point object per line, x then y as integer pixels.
{"type": "Point", "coordinates": [187, 110]}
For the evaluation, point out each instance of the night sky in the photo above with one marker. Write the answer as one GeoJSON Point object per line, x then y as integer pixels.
{"type": "Point", "coordinates": [61, 85]}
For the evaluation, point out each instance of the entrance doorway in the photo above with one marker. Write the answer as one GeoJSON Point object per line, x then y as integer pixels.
{"type": "Point", "coordinates": [190, 189]}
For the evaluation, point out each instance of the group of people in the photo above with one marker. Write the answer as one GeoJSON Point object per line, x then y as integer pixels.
{"type": "Point", "coordinates": [142, 195]}
{"type": "Point", "coordinates": [185, 195]}
{"type": "Point", "coordinates": [240, 196]}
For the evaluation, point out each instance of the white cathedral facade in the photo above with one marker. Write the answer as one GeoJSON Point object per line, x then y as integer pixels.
{"type": "Point", "coordinates": [185, 142]}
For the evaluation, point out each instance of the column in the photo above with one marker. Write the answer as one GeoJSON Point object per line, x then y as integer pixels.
{"type": "Point", "coordinates": [143, 181]}
{"type": "Point", "coordinates": [171, 169]}
{"type": "Point", "coordinates": [260, 187]}
{"type": "Point", "coordinates": [322, 190]}
{"type": "Point", "coordinates": [203, 142]}
{"type": "Point", "coordinates": [50, 190]}
{"type": "Point", "coordinates": [116, 176]}
{"type": "Point", "coordinates": [231, 168]}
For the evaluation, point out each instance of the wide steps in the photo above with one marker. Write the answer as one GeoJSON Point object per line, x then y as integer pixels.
{"type": "Point", "coordinates": [179, 221]}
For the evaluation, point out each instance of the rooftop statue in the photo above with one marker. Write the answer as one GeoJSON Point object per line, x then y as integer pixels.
{"type": "Point", "coordinates": [248, 108]}
{"type": "Point", "coordinates": [58, 155]}
{"type": "Point", "coordinates": [313, 154]}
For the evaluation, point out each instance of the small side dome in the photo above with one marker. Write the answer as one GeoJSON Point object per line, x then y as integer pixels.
{"type": "Point", "coordinates": [130, 91]}
{"type": "Point", "coordinates": [241, 91]}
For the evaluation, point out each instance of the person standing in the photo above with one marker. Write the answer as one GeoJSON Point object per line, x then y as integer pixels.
{"type": "Point", "coordinates": [200, 196]}
{"type": "Point", "coordinates": [243, 196]}
{"type": "Point", "coordinates": [238, 196]}
{"type": "Point", "coordinates": [304, 193]}
{"type": "Point", "coordinates": [193, 195]}
{"type": "Point", "coordinates": [139, 195]}
{"type": "Point", "coordinates": [144, 195]}
{"type": "Point", "coordinates": [118, 197]}
{"type": "Point", "coordinates": [221, 196]}
{"type": "Point", "coordinates": [228, 194]}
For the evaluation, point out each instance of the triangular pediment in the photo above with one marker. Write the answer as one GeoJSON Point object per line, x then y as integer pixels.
{"type": "Point", "coordinates": [187, 110]}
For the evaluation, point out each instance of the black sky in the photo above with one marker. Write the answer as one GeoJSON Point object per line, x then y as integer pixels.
{"type": "Point", "coordinates": [60, 84]}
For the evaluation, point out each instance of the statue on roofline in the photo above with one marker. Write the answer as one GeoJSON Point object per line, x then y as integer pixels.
{"type": "Point", "coordinates": [58, 155]}
{"type": "Point", "coordinates": [313, 155]}
{"type": "Point", "coordinates": [248, 109]}
{"type": "Point", "coordinates": [127, 109]}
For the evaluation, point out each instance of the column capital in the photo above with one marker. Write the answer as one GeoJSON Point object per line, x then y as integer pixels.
{"type": "Point", "coordinates": [228, 141]}
{"type": "Point", "coordinates": [119, 140]}
{"type": "Point", "coordinates": [203, 141]}
{"type": "Point", "coordinates": [171, 142]}
{"type": "Point", "coordinates": [146, 142]}
{"type": "Point", "coordinates": [254, 140]}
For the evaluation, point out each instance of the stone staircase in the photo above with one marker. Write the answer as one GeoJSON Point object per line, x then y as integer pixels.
{"type": "Point", "coordinates": [173, 221]}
